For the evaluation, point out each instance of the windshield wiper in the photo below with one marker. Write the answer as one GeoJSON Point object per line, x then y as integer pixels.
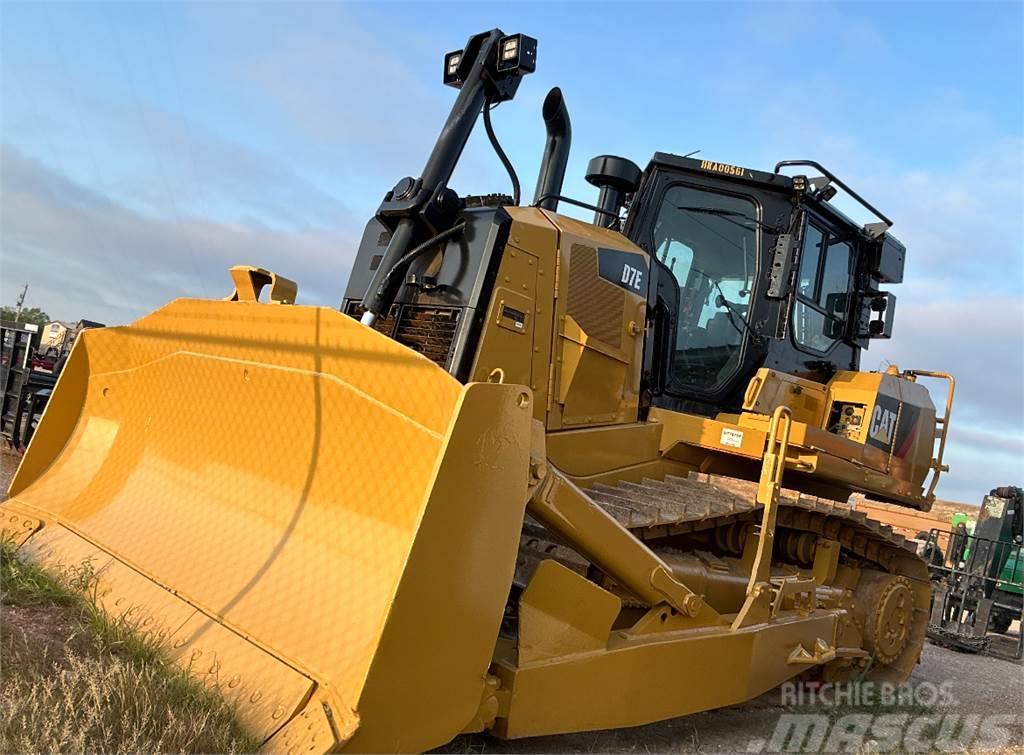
{"type": "Point", "coordinates": [730, 309]}
{"type": "Point", "coordinates": [729, 215]}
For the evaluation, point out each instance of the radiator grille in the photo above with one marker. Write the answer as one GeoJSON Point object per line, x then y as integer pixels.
{"type": "Point", "coordinates": [594, 303]}
{"type": "Point", "coordinates": [428, 330]}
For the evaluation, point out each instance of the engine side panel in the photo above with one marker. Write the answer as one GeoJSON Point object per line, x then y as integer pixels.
{"type": "Point", "coordinates": [567, 318]}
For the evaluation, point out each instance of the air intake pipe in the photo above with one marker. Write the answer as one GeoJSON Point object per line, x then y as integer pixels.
{"type": "Point", "coordinates": [617, 178]}
{"type": "Point", "coordinates": [556, 151]}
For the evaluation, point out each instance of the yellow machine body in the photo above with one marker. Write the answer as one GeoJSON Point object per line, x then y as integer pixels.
{"type": "Point", "coordinates": [327, 527]}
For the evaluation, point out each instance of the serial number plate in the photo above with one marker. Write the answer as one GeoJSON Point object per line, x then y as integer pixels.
{"type": "Point", "coordinates": [732, 438]}
{"type": "Point", "coordinates": [518, 318]}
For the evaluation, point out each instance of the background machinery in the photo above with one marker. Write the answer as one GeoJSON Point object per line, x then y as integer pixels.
{"type": "Point", "coordinates": [978, 577]}
{"type": "Point", "coordinates": [485, 506]}
{"type": "Point", "coordinates": [26, 381]}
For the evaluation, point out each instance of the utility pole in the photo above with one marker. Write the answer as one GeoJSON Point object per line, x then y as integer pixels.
{"type": "Point", "coordinates": [21, 301]}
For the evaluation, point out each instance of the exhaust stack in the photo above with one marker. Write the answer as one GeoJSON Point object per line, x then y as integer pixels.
{"type": "Point", "coordinates": [556, 150]}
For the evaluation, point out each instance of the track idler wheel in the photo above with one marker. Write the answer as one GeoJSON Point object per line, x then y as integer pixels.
{"type": "Point", "coordinates": [888, 604]}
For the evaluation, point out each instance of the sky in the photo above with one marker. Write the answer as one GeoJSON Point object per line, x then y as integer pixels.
{"type": "Point", "coordinates": [147, 147]}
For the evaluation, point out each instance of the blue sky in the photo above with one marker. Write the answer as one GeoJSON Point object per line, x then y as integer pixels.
{"type": "Point", "coordinates": [147, 147]}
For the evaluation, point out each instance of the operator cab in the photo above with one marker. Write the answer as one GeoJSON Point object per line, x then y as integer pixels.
{"type": "Point", "coordinates": [753, 269]}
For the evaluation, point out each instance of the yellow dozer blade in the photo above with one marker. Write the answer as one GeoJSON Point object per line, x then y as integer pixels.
{"type": "Point", "coordinates": [315, 520]}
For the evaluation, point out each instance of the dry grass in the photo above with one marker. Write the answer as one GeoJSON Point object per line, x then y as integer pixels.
{"type": "Point", "coordinates": [72, 681]}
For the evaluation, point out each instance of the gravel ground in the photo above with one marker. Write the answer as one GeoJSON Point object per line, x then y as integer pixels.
{"type": "Point", "coordinates": [978, 685]}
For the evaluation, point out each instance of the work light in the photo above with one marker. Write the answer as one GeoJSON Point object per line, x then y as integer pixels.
{"type": "Point", "coordinates": [451, 69]}
{"type": "Point", "coordinates": [518, 53]}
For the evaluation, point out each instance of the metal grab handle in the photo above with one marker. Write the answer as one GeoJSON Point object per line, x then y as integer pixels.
{"type": "Point", "coordinates": [837, 181]}
{"type": "Point", "coordinates": [758, 606]}
{"type": "Point", "coordinates": [250, 281]}
{"type": "Point", "coordinates": [768, 488]}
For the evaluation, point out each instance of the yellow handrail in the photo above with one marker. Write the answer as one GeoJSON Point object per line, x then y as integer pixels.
{"type": "Point", "coordinates": [757, 606]}
{"type": "Point", "coordinates": [942, 422]}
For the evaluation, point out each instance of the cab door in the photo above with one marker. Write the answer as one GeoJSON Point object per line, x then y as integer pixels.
{"type": "Point", "coordinates": [820, 320]}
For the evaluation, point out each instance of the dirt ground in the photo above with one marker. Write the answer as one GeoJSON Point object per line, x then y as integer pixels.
{"type": "Point", "coordinates": [978, 684]}
{"type": "Point", "coordinates": [8, 465]}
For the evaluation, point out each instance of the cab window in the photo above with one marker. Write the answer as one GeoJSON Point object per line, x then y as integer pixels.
{"type": "Point", "coordinates": [821, 303]}
{"type": "Point", "coordinates": [835, 279]}
{"type": "Point", "coordinates": [813, 240]}
{"type": "Point", "coordinates": [708, 240]}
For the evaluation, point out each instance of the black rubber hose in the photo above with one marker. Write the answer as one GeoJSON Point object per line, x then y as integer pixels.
{"type": "Point", "coordinates": [501, 153]}
{"type": "Point", "coordinates": [417, 250]}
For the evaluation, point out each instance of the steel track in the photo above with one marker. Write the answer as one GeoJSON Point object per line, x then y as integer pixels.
{"type": "Point", "coordinates": [659, 512]}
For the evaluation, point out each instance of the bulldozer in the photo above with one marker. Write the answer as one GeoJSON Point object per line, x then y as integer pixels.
{"type": "Point", "coordinates": [491, 492]}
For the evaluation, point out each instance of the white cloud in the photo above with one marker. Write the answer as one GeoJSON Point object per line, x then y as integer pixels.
{"type": "Point", "coordinates": [347, 98]}
{"type": "Point", "coordinates": [85, 255]}
{"type": "Point", "coordinates": [977, 339]}
{"type": "Point", "coordinates": [158, 162]}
